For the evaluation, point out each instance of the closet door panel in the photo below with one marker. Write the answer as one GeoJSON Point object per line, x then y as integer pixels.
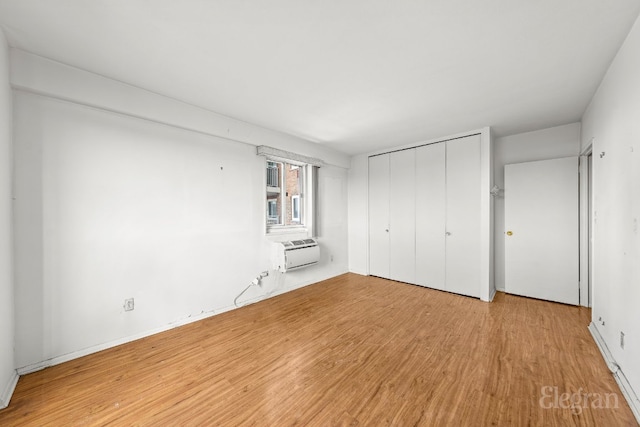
{"type": "Point", "coordinates": [463, 219]}
{"type": "Point", "coordinates": [402, 216]}
{"type": "Point", "coordinates": [379, 215]}
{"type": "Point", "coordinates": [430, 216]}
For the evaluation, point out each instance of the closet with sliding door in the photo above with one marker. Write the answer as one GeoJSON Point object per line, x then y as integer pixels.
{"type": "Point", "coordinates": [429, 216]}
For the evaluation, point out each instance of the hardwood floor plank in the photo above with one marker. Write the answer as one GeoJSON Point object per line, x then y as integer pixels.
{"type": "Point", "coordinates": [351, 350]}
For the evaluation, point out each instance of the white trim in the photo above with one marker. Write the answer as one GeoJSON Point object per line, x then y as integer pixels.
{"type": "Point", "coordinates": [287, 156]}
{"type": "Point", "coordinates": [487, 286]}
{"type": "Point", "coordinates": [310, 210]}
{"type": "Point", "coordinates": [584, 217]}
{"type": "Point", "coordinates": [5, 397]}
{"type": "Point", "coordinates": [625, 387]}
{"type": "Point", "coordinates": [482, 131]}
{"type": "Point", "coordinates": [294, 217]}
{"type": "Point", "coordinates": [180, 322]}
{"type": "Point", "coordinates": [588, 149]}
{"type": "Point", "coordinates": [96, 348]}
{"type": "Point", "coordinates": [275, 230]}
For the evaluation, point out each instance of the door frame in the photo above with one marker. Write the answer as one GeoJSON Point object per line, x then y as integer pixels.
{"type": "Point", "coordinates": [585, 201]}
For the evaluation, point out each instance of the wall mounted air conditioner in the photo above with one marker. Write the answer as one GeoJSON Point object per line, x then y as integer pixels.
{"type": "Point", "coordinates": [296, 254]}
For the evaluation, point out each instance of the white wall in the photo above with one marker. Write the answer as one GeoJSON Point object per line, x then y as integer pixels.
{"type": "Point", "coordinates": [612, 120]}
{"type": "Point", "coordinates": [110, 205]}
{"type": "Point", "coordinates": [40, 75]}
{"type": "Point", "coordinates": [552, 143]}
{"type": "Point", "coordinates": [359, 215]}
{"type": "Point", "coordinates": [7, 367]}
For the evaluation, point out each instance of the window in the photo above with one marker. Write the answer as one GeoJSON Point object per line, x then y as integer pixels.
{"type": "Point", "coordinates": [285, 194]}
{"type": "Point", "coordinates": [291, 184]}
{"type": "Point", "coordinates": [272, 174]}
{"type": "Point", "coordinates": [272, 211]}
{"type": "Point", "coordinates": [295, 208]}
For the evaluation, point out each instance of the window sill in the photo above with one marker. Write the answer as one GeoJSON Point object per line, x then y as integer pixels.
{"type": "Point", "coordinates": [287, 230]}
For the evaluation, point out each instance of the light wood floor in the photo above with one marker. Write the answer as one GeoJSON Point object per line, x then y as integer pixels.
{"type": "Point", "coordinates": [351, 350]}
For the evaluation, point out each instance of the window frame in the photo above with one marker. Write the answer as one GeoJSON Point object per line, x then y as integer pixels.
{"type": "Point", "coordinates": [273, 202]}
{"type": "Point", "coordinates": [295, 218]}
{"type": "Point", "coordinates": [305, 197]}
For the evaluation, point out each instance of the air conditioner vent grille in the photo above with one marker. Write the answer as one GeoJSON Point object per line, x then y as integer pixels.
{"type": "Point", "coordinates": [296, 254]}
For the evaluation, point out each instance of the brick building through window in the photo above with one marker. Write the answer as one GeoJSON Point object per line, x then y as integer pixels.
{"type": "Point", "coordinates": [285, 182]}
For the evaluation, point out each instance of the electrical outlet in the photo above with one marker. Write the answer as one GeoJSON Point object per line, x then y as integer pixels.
{"type": "Point", "coordinates": [622, 340]}
{"type": "Point", "coordinates": [128, 304]}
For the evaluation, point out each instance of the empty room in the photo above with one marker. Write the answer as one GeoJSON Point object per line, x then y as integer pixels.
{"type": "Point", "coordinates": [244, 213]}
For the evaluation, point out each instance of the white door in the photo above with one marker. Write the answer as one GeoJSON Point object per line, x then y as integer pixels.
{"type": "Point", "coordinates": [463, 216]}
{"type": "Point", "coordinates": [541, 229]}
{"type": "Point", "coordinates": [430, 216]}
{"type": "Point", "coordinates": [379, 216]}
{"type": "Point", "coordinates": [402, 216]}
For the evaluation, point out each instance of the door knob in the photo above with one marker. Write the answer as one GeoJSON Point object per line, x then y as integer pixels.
{"type": "Point", "coordinates": [509, 233]}
{"type": "Point", "coordinates": [447, 233]}
{"type": "Point", "coordinates": [386, 229]}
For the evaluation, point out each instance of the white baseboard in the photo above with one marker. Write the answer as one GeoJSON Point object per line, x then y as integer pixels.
{"type": "Point", "coordinates": [625, 387]}
{"type": "Point", "coordinates": [94, 349]}
{"type": "Point", "coordinates": [283, 290]}
{"type": "Point", "coordinates": [5, 397]}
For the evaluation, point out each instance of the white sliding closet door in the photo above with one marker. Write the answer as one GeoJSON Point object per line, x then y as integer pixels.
{"type": "Point", "coordinates": [379, 215]}
{"type": "Point", "coordinates": [430, 216]}
{"type": "Point", "coordinates": [463, 219]}
{"type": "Point", "coordinates": [402, 216]}
{"type": "Point", "coordinates": [424, 215]}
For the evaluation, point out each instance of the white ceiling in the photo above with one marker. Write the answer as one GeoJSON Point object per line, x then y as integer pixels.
{"type": "Point", "coordinates": [356, 75]}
